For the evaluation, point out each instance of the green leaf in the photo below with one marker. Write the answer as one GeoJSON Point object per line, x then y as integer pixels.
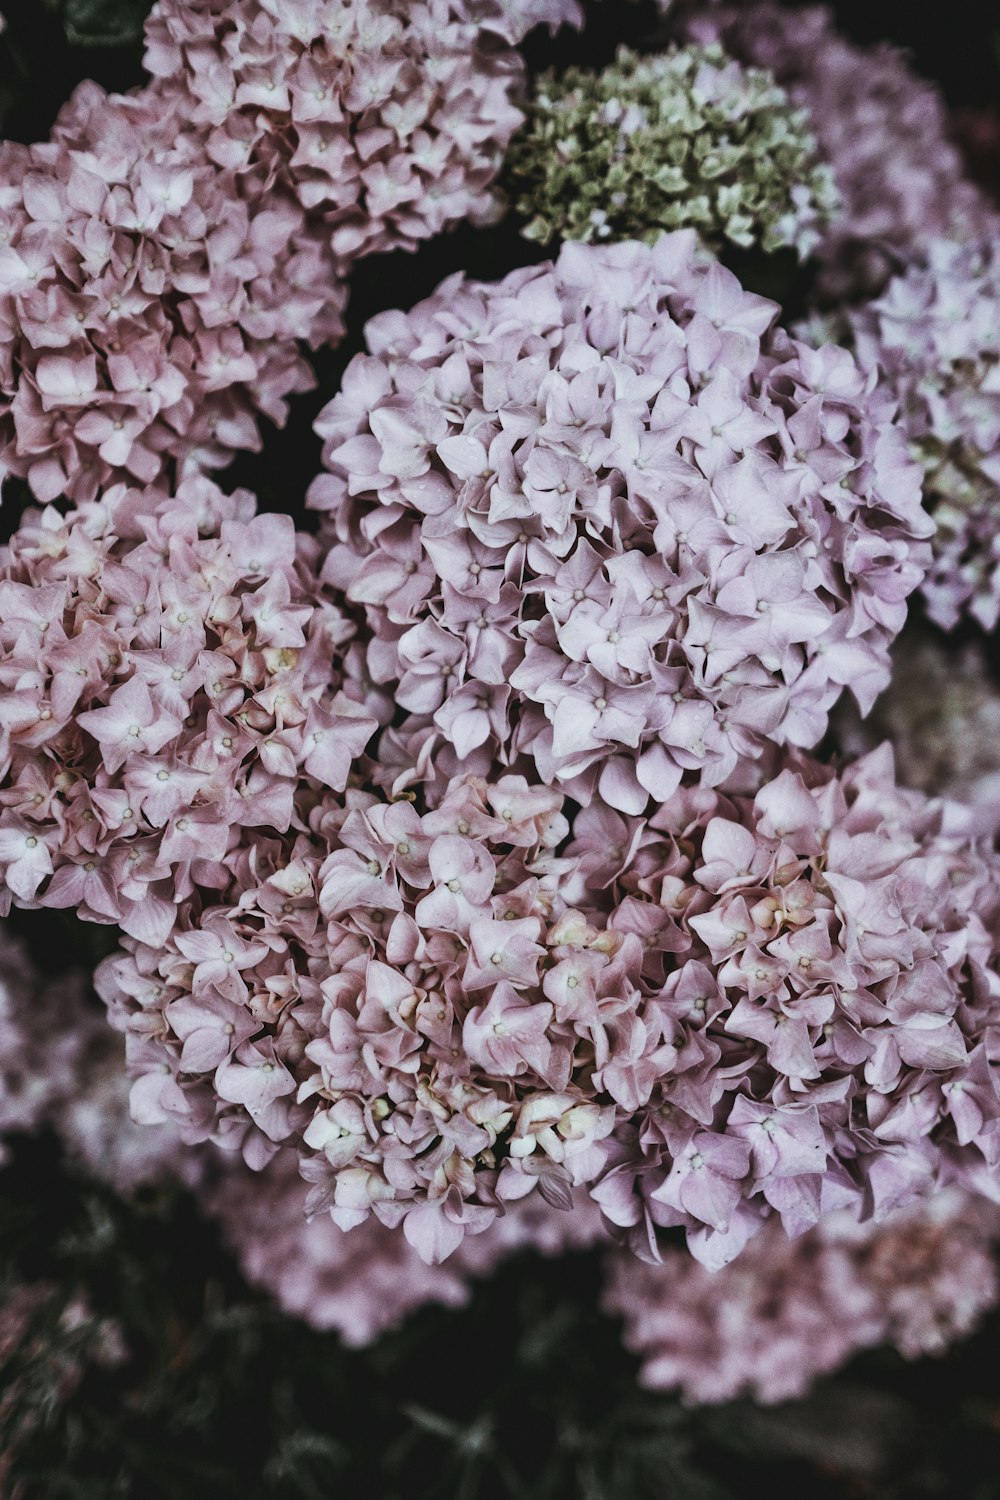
{"type": "Point", "coordinates": [104, 23]}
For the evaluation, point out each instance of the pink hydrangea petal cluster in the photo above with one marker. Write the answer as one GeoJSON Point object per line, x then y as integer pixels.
{"type": "Point", "coordinates": [941, 713]}
{"type": "Point", "coordinates": [368, 1281]}
{"type": "Point", "coordinates": [388, 119]}
{"type": "Point", "coordinates": [151, 298]}
{"type": "Point", "coordinates": [882, 129]}
{"type": "Point", "coordinates": [609, 526]}
{"type": "Point", "coordinates": [934, 336]}
{"type": "Point", "coordinates": [789, 1311]}
{"type": "Point", "coordinates": [737, 1008]}
{"type": "Point", "coordinates": [171, 682]}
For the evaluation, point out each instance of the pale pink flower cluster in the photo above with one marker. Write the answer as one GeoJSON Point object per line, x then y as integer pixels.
{"type": "Point", "coordinates": [882, 130]}
{"type": "Point", "coordinates": [151, 298]}
{"type": "Point", "coordinates": [169, 668]}
{"type": "Point", "coordinates": [789, 1311]}
{"type": "Point", "coordinates": [164, 254]}
{"type": "Point", "coordinates": [368, 1281]}
{"type": "Point", "coordinates": [934, 336]}
{"type": "Point", "coordinates": [389, 119]}
{"type": "Point", "coordinates": [612, 528]}
{"type": "Point", "coordinates": [733, 1009]}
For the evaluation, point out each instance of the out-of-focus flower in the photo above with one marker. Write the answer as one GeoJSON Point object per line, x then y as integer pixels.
{"type": "Point", "coordinates": [152, 298]}
{"type": "Point", "coordinates": [171, 676]}
{"type": "Point", "coordinates": [736, 1009]}
{"type": "Point", "coordinates": [791, 1310]}
{"type": "Point", "coordinates": [941, 712]}
{"type": "Point", "coordinates": [934, 336]}
{"type": "Point", "coordinates": [63, 1068]}
{"type": "Point", "coordinates": [367, 1281]}
{"type": "Point", "coordinates": [386, 119]}
{"type": "Point", "coordinates": [689, 139]}
{"type": "Point", "coordinates": [882, 130]}
{"type": "Point", "coordinates": [41, 1043]}
{"type": "Point", "coordinates": [610, 527]}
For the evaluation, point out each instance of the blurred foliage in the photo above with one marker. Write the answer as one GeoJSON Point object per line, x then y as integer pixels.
{"type": "Point", "coordinates": [101, 23]}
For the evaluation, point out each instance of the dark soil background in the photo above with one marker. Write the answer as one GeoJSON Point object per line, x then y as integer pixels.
{"type": "Point", "coordinates": [527, 1393]}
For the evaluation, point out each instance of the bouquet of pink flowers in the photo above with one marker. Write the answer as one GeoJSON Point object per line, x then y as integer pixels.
{"type": "Point", "coordinates": [481, 863]}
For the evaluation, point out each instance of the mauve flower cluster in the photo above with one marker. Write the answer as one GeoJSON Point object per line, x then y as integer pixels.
{"type": "Point", "coordinates": [170, 679]}
{"type": "Point", "coordinates": [688, 139]}
{"type": "Point", "coordinates": [612, 529]}
{"type": "Point", "coordinates": [151, 297]}
{"type": "Point", "coordinates": [789, 1311]}
{"type": "Point", "coordinates": [941, 713]}
{"type": "Point", "coordinates": [882, 130]}
{"type": "Point", "coordinates": [369, 1280]}
{"type": "Point", "coordinates": [934, 335]}
{"type": "Point", "coordinates": [386, 119]}
{"type": "Point", "coordinates": [733, 1009]}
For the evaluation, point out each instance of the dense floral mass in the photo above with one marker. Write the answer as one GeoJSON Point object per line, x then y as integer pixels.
{"type": "Point", "coordinates": [790, 1310]}
{"type": "Point", "coordinates": [941, 713]}
{"type": "Point", "coordinates": [611, 527]}
{"type": "Point", "coordinates": [934, 336]}
{"type": "Point", "coordinates": [688, 139]}
{"type": "Point", "coordinates": [734, 1008]}
{"type": "Point", "coordinates": [170, 675]}
{"type": "Point", "coordinates": [880, 128]}
{"type": "Point", "coordinates": [388, 119]}
{"type": "Point", "coordinates": [150, 298]}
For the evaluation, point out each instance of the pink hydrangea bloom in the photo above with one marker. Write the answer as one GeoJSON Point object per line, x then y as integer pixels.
{"type": "Point", "coordinates": [791, 1310]}
{"type": "Point", "coordinates": [941, 712]}
{"type": "Point", "coordinates": [882, 130]}
{"type": "Point", "coordinates": [610, 527]}
{"type": "Point", "coordinates": [738, 1008]}
{"type": "Point", "coordinates": [151, 298]}
{"type": "Point", "coordinates": [170, 673]}
{"type": "Point", "coordinates": [367, 1281]}
{"type": "Point", "coordinates": [934, 336]}
{"type": "Point", "coordinates": [387, 118]}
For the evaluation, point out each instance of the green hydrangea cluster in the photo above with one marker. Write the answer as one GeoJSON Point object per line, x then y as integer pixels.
{"type": "Point", "coordinates": [686, 139]}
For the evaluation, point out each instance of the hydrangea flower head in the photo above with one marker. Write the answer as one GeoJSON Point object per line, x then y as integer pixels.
{"type": "Point", "coordinates": [612, 528]}
{"type": "Point", "coordinates": [151, 299]}
{"type": "Point", "coordinates": [934, 334]}
{"type": "Point", "coordinates": [735, 1009]}
{"type": "Point", "coordinates": [686, 139]}
{"type": "Point", "coordinates": [789, 1311]}
{"type": "Point", "coordinates": [171, 675]}
{"type": "Point", "coordinates": [388, 119]}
